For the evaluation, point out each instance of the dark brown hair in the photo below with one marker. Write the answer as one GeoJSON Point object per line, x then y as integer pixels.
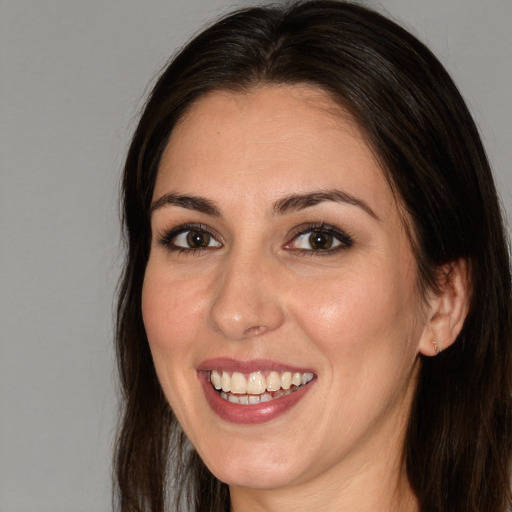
{"type": "Point", "coordinates": [459, 440]}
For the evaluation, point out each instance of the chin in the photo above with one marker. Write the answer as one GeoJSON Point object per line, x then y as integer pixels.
{"type": "Point", "coordinates": [255, 466]}
{"type": "Point", "coordinates": [257, 477]}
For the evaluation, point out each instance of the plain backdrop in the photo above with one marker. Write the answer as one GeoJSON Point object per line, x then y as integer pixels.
{"type": "Point", "coordinates": [73, 77]}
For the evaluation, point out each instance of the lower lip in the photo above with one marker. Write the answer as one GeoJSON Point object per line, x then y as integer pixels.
{"type": "Point", "coordinates": [249, 414]}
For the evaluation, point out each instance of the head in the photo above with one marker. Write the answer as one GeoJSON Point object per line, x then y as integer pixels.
{"type": "Point", "coordinates": [383, 88]}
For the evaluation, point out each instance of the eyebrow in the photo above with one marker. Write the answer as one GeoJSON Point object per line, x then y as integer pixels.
{"type": "Point", "coordinates": [297, 202]}
{"type": "Point", "coordinates": [287, 204]}
{"type": "Point", "coordinates": [196, 203]}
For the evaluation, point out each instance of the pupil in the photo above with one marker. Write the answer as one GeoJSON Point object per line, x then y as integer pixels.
{"type": "Point", "coordinates": [320, 240]}
{"type": "Point", "coordinates": [197, 239]}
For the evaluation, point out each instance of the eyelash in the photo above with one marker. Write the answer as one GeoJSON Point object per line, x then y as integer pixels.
{"type": "Point", "coordinates": [167, 240]}
{"type": "Point", "coordinates": [344, 239]}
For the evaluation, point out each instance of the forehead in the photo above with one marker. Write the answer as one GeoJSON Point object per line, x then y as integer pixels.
{"type": "Point", "coordinates": [267, 142]}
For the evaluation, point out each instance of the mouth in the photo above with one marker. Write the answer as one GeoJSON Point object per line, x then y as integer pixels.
{"type": "Point", "coordinates": [253, 391]}
{"type": "Point", "coordinates": [257, 387]}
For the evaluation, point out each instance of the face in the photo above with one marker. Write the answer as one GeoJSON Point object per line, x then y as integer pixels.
{"type": "Point", "coordinates": [280, 272]}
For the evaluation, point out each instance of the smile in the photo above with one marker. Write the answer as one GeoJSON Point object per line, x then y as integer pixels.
{"type": "Point", "coordinates": [257, 387]}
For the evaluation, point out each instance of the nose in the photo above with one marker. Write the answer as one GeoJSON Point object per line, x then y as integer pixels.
{"type": "Point", "coordinates": [247, 302]}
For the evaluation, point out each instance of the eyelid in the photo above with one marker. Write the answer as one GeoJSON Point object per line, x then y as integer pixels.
{"type": "Point", "coordinates": [165, 239]}
{"type": "Point", "coordinates": [346, 241]}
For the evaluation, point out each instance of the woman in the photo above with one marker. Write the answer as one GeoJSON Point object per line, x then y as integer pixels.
{"type": "Point", "coordinates": [317, 287]}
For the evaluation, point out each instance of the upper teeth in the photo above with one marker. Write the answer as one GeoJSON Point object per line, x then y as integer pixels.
{"type": "Point", "coordinates": [256, 383]}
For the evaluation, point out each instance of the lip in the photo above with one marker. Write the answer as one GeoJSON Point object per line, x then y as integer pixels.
{"type": "Point", "coordinates": [254, 365]}
{"type": "Point", "coordinates": [249, 414]}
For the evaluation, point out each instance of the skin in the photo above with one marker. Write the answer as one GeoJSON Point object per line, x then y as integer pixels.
{"type": "Point", "coordinates": [351, 314]}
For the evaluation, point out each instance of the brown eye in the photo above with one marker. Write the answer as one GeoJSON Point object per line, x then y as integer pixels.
{"type": "Point", "coordinates": [189, 238]}
{"type": "Point", "coordinates": [320, 241]}
{"type": "Point", "coordinates": [198, 239]}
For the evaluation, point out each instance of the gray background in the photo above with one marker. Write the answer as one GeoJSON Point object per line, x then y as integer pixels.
{"type": "Point", "coordinates": [73, 75]}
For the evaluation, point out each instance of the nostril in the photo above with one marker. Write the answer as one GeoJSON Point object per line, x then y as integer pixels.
{"type": "Point", "coordinates": [254, 331]}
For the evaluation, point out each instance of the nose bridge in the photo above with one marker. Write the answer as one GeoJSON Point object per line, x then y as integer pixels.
{"type": "Point", "coordinates": [246, 302]}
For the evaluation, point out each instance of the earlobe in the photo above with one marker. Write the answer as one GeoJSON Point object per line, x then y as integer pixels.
{"type": "Point", "coordinates": [447, 309]}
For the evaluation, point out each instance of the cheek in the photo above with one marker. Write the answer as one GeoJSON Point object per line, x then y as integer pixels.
{"type": "Point", "coordinates": [358, 310]}
{"type": "Point", "coordinates": [365, 327]}
{"type": "Point", "coordinates": [171, 313]}
{"type": "Point", "coordinates": [171, 310]}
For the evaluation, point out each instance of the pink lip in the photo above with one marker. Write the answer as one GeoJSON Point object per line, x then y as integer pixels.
{"type": "Point", "coordinates": [248, 414]}
{"type": "Point", "coordinates": [254, 365]}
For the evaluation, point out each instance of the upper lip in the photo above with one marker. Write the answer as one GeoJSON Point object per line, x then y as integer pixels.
{"type": "Point", "coordinates": [253, 365]}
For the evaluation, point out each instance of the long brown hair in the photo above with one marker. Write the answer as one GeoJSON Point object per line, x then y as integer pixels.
{"type": "Point", "coordinates": [459, 443]}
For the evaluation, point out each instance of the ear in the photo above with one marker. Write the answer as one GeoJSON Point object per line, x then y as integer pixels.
{"type": "Point", "coordinates": [446, 309]}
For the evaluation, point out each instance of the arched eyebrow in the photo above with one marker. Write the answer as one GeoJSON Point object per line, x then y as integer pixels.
{"type": "Point", "coordinates": [197, 203]}
{"type": "Point", "coordinates": [296, 202]}
{"type": "Point", "coordinates": [287, 204]}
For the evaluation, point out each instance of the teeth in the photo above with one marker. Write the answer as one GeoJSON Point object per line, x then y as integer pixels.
{"type": "Point", "coordinates": [286, 380]}
{"type": "Point", "coordinates": [216, 380]}
{"type": "Point", "coordinates": [273, 381]}
{"type": "Point", "coordinates": [233, 399]}
{"type": "Point", "coordinates": [296, 379]}
{"type": "Point", "coordinates": [239, 384]}
{"type": "Point", "coordinates": [306, 377]}
{"type": "Point", "coordinates": [226, 382]}
{"type": "Point", "coordinates": [251, 389]}
{"type": "Point", "coordinates": [256, 384]}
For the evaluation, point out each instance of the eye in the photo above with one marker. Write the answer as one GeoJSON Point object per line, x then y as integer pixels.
{"type": "Point", "coordinates": [189, 238]}
{"type": "Point", "coordinates": [319, 239]}
{"type": "Point", "coordinates": [195, 239]}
